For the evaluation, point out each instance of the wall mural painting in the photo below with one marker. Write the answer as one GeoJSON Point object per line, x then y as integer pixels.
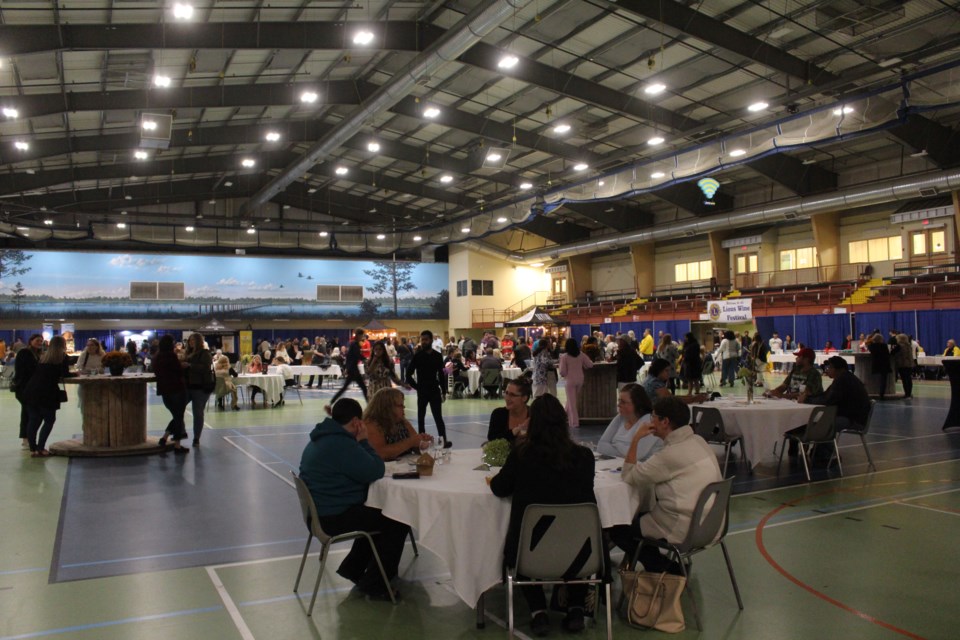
{"type": "Point", "coordinates": [73, 285]}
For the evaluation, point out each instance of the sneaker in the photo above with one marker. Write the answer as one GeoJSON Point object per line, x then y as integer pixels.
{"type": "Point", "coordinates": [447, 445]}
{"type": "Point", "coordinates": [573, 622]}
{"type": "Point", "coordinates": [540, 625]}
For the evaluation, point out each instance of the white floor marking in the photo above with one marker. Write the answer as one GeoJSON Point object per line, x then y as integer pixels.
{"type": "Point", "coordinates": [230, 605]}
{"type": "Point", "coordinates": [904, 503]}
{"type": "Point", "coordinates": [283, 478]}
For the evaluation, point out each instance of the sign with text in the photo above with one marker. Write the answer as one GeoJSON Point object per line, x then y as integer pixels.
{"type": "Point", "coordinates": [732, 310]}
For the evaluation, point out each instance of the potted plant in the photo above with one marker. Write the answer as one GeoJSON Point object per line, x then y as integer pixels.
{"type": "Point", "coordinates": [117, 361]}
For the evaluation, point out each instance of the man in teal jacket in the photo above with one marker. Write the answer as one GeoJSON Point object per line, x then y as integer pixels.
{"type": "Point", "coordinates": [338, 464]}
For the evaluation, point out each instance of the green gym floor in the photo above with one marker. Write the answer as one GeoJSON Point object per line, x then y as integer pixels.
{"type": "Point", "coordinates": [207, 545]}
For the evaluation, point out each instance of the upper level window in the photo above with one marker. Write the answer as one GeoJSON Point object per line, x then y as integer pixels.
{"type": "Point", "coordinates": [798, 258]}
{"type": "Point", "coordinates": [876, 249]}
{"type": "Point", "coordinates": [689, 271]}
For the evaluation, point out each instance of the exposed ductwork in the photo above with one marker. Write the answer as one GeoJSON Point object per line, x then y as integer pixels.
{"type": "Point", "coordinates": [468, 31]}
{"type": "Point", "coordinates": [795, 208]}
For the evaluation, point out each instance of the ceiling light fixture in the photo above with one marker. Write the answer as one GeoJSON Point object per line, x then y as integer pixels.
{"type": "Point", "coordinates": [839, 111]}
{"type": "Point", "coordinates": [465, 230]}
{"type": "Point", "coordinates": [161, 81]}
{"type": "Point", "coordinates": [561, 128]}
{"type": "Point", "coordinates": [508, 61]}
{"type": "Point", "coordinates": [121, 225]}
{"type": "Point", "coordinates": [248, 163]}
{"type": "Point", "coordinates": [417, 238]}
{"type": "Point", "coordinates": [656, 175]}
{"type": "Point", "coordinates": [494, 157]}
{"type": "Point", "coordinates": [252, 230]}
{"type": "Point", "coordinates": [736, 153]}
{"type": "Point", "coordinates": [373, 146]}
{"type": "Point", "coordinates": [149, 125]}
{"type": "Point", "coordinates": [127, 197]}
{"type": "Point", "coordinates": [536, 264]}
{"type": "Point", "coordinates": [21, 146]}
{"type": "Point", "coordinates": [140, 155]}
{"type": "Point", "coordinates": [324, 234]}
{"type": "Point", "coordinates": [363, 38]}
{"type": "Point", "coordinates": [501, 220]}
{"type": "Point", "coordinates": [272, 136]}
{"type": "Point", "coordinates": [526, 185]}
{"type": "Point", "coordinates": [10, 112]}
{"type": "Point", "coordinates": [228, 184]}
{"type": "Point", "coordinates": [431, 112]}
{"type": "Point", "coordinates": [182, 11]}
{"type": "Point", "coordinates": [446, 179]}
{"type": "Point", "coordinates": [312, 190]}
{"type": "Point", "coordinates": [655, 140]}
{"type": "Point", "coordinates": [889, 62]}
{"type": "Point", "coordinates": [341, 171]}
{"type": "Point", "coordinates": [582, 166]}
{"type": "Point", "coordinates": [654, 89]}
{"type": "Point", "coordinates": [381, 236]}
{"type": "Point", "coordinates": [188, 229]}
{"type": "Point", "coordinates": [600, 183]}
{"type": "Point", "coordinates": [757, 106]}
{"type": "Point", "coordinates": [308, 97]}
{"type": "Point", "coordinates": [48, 222]}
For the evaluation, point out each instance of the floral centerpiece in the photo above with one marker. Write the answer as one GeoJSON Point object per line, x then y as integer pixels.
{"type": "Point", "coordinates": [495, 452]}
{"type": "Point", "coordinates": [117, 361]}
{"type": "Point", "coordinates": [748, 373]}
{"type": "Point", "coordinates": [245, 361]}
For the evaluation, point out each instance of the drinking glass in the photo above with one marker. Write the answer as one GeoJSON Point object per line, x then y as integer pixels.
{"type": "Point", "coordinates": [438, 449]}
{"type": "Point", "coordinates": [424, 446]}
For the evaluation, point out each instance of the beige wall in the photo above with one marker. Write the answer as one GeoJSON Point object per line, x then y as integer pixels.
{"type": "Point", "coordinates": [677, 252]}
{"type": "Point", "coordinates": [612, 273]}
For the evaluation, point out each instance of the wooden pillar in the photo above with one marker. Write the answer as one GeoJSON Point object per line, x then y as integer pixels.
{"type": "Point", "coordinates": [956, 226]}
{"type": "Point", "coordinates": [644, 256]}
{"type": "Point", "coordinates": [826, 238]}
{"type": "Point", "coordinates": [720, 257]}
{"type": "Point", "coordinates": [578, 271]}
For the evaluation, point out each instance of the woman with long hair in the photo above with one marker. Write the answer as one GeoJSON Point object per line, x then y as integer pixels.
{"type": "Point", "coordinates": [633, 409]}
{"type": "Point", "coordinates": [172, 390]}
{"type": "Point", "coordinates": [541, 367]}
{"type": "Point", "coordinates": [388, 431]}
{"type": "Point", "coordinates": [92, 357]}
{"type": "Point", "coordinates": [691, 368]}
{"type": "Point", "coordinates": [572, 365]}
{"type": "Point", "coordinates": [510, 421]}
{"type": "Point", "coordinates": [730, 357]}
{"type": "Point", "coordinates": [42, 395]}
{"type": "Point", "coordinates": [24, 366]}
{"type": "Point", "coordinates": [200, 381]}
{"type": "Point", "coordinates": [546, 467]}
{"type": "Point", "coordinates": [380, 373]}
{"type": "Point", "coordinates": [667, 350]}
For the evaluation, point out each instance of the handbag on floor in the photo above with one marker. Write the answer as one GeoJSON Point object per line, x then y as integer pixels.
{"type": "Point", "coordinates": [653, 600]}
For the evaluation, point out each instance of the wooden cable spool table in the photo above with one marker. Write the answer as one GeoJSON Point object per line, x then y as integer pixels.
{"type": "Point", "coordinates": [114, 411]}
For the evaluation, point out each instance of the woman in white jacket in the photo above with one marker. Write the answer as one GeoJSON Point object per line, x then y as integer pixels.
{"type": "Point", "coordinates": [730, 354]}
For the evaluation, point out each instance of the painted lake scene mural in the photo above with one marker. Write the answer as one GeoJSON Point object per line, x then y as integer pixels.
{"type": "Point", "coordinates": [52, 285]}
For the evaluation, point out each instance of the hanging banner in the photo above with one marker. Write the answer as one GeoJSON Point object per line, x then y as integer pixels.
{"type": "Point", "coordinates": [732, 310]}
{"type": "Point", "coordinates": [246, 342]}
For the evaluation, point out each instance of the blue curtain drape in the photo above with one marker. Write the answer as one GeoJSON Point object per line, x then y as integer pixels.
{"type": "Point", "coordinates": [934, 328]}
{"type": "Point", "coordinates": [903, 321]}
{"type": "Point", "coordinates": [577, 331]}
{"type": "Point", "coordinates": [783, 325]}
{"type": "Point", "coordinates": [814, 331]}
{"type": "Point", "coordinates": [676, 328]}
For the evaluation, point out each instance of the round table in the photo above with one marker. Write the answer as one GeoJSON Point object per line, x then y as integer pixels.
{"type": "Point", "coordinates": [951, 365]}
{"type": "Point", "coordinates": [271, 383]}
{"type": "Point", "coordinates": [762, 424]}
{"type": "Point", "coordinates": [114, 412]}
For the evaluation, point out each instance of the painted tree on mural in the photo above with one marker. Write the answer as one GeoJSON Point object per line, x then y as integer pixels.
{"type": "Point", "coordinates": [391, 277]}
{"type": "Point", "coordinates": [369, 309]}
{"type": "Point", "coordinates": [18, 292]}
{"type": "Point", "coordinates": [441, 306]}
{"type": "Point", "coordinates": [13, 262]}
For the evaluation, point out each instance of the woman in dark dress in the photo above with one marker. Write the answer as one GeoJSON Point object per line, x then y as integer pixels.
{"type": "Point", "coordinates": [692, 366]}
{"type": "Point", "coordinates": [547, 467]}
{"type": "Point", "coordinates": [200, 380]}
{"type": "Point", "coordinates": [879, 361]}
{"type": "Point", "coordinates": [25, 364]}
{"type": "Point", "coordinates": [512, 420]}
{"type": "Point", "coordinates": [42, 395]}
{"type": "Point", "coordinates": [172, 390]}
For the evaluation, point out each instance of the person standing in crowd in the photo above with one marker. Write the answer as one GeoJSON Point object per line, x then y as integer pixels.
{"type": "Point", "coordinates": [506, 346]}
{"type": "Point", "coordinates": [730, 357]}
{"type": "Point", "coordinates": [405, 355]}
{"type": "Point", "coordinates": [437, 344]}
{"type": "Point", "coordinates": [628, 362]}
{"type": "Point", "coordinates": [200, 380]}
{"type": "Point", "coordinates": [522, 354]}
{"type": "Point", "coordinates": [24, 366]}
{"type": "Point", "coordinates": [42, 395]}
{"type": "Point", "coordinates": [352, 366]}
{"type": "Point", "coordinates": [572, 365]}
{"type": "Point", "coordinates": [547, 467]}
{"type": "Point", "coordinates": [338, 465]}
{"type": "Point", "coordinates": [173, 391]}
{"type": "Point", "coordinates": [380, 373]}
{"type": "Point", "coordinates": [646, 346]}
{"type": "Point", "coordinates": [776, 347]}
{"type": "Point", "coordinates": [758, 356]}
{"type": "Point", "coordinates": [691, 367]}
{"type": "Point", "coordinates": [425, 374]}
{"type": "Point", "coordinates": [667, 350]}
{"type": "Point", "coordinates": [879, 362]}
{"type": "Point", "coordinates": [903, 361]}
{"type": "Point", "coordinates": [541, 366]}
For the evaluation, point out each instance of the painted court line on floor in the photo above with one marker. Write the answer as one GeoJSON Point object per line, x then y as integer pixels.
{"type": "Point", "coordinates": [111, 623]}
{"type": "Point", "coordinates": [230, 605]}
{"type": "Point", "coordinates": [179, 553]}
{"type": "Point", "coordinates": [927, 507]}
{"type": "Point", "coordinates": [284, 479]}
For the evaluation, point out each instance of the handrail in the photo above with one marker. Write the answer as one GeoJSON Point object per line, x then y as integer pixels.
{"type": "Point", "coordinates": [794, 277]}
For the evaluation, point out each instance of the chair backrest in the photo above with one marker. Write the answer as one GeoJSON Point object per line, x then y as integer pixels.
{"type": "Point", "coordinates": [560, 542]}
{"type": "Point", "coordinates": [863, 428]}
{"type": "Point", "coordinates": [708, 424]}
{"type": "Point", "coordinates": [821, 427]}
{"type": "Point", "coordinates": [708, 524]}
{"type": "Point", "coordinates": [708, 364]}
{"type": "Point", "coordinates": [309, 509]}
{"type": "Point", "coordinates": [489, 377]}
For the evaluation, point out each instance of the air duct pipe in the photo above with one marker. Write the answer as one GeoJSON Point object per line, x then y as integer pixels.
{"type": "Point", "coordinates": [468, 31]}
{"type": "Point", "coordinates": [794, 208]}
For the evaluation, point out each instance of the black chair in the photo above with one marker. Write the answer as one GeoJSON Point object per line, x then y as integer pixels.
{"type": "Point", "coordinates": [861, 430]}
{"type": "Point", "coordinates": [491, 382]}
{"type": "Point", "coordinates": [708, 424]}
{"type": "Point", "coordinates": [821, 429]}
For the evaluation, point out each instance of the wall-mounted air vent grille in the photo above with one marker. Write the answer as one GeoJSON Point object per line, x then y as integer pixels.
{"type": "Point", "coordinates": [339, 293]}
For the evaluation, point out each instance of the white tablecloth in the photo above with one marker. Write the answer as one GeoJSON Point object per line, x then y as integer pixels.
{"type": "Point", "coordinates": [930, 361]}
{"type": "Point", "coordinates": [312, 370]}
{"type": "Point", "coordinates": [457, 517]}
{"type": "Point", "coordinates": [761, 424]}
{"type": "Point", "coordinates": [821, 357]}
{"type": "Point", "coordinates": [272, 384]}
{"type": "Point", "coordinates": [473, 377]}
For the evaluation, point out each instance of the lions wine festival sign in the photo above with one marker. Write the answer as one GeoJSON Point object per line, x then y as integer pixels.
{"type": "Point", "coordinates": [733, 310]}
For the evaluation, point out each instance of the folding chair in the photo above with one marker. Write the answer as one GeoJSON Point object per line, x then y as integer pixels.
{"type": "Point", "coordinates": [6, 376]}
{"type": "Point", "coordinates": [560, 544]}
{"type": "Point", "coordinates": [708, 528]}
{"type": "Point", "coordinates": [314, 530]}
{"type": "Point", "coordinates": [709, 372]}
{"type": "Point", "coordinates": [821, 429]}
{"type": "Point", "coordinates": [491, 382]}
{"type": "Point", "coordinates": [861, 430]}
{"type": "Point", "coordinates": [708, 424]}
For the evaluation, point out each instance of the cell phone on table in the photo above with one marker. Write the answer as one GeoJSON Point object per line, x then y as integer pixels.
{"type": "Point", "coordinates": [408, 475]}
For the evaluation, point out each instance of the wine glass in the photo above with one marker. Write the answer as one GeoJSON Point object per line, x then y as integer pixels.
{"type": "Point", "coordinates": [424, 445]}
{"type": "Point", "coordinates": [438, 448]}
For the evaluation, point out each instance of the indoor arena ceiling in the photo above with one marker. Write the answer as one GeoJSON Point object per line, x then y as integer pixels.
{"type": "Point", "coordinates": [384, 126]}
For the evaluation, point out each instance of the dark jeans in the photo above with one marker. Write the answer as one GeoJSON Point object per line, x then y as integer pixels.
{"type": "Point", "coordinates": [537, 599]}
{"type": "Point", "coordinates": [434, 399]}
{"type": "Point", "coordinates": [627, 537]}
{"type": "Point", "coordinates": [176, 404]}
{"type": "Point", "coordinates": [906, 378]}
{"type": "Point", "coordinates": [359, 566]}
{"type": "Point", "coordinates": [883, 383]}
{"type": "Point", "coordinates": [198, 403]}
{"type": "Point", "coordinates": [728, 371]}
{"type": "Point", "coordinates": [24, 421]}
{"type": "Point", "coordinates": [352, 376]}
{"type": "Point", "coordinates": [36, 434]}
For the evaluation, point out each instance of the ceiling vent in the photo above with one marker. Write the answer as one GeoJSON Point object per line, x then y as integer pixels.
{"type": "Point", "coordinates": [790, 215]}
{"type": "Point", "coordinates": [928, 192]}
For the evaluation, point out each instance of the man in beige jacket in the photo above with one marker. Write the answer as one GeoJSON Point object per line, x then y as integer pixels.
{"type": "Point", "coordinates": [670, 481]}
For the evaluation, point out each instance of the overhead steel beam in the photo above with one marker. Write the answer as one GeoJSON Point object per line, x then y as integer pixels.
{"type": "Point", "coordinates": [688, 197]}
{"type": "Point", "coordinates": [618, 216]}
{"type": "Point", "coordinates": [941, 143]}
{"type": "Point", "coordinates": [559, 233]}
{"type": "Point", "coordinates": [790, 172]}
{"type": "Point", "coordinates": [703, 27]}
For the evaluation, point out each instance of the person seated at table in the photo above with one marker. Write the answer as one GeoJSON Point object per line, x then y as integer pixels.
{"type": "Point", "coordinates": [547, 467]}
{"type": "Point", "coordinates": [511, 421]}
{"type": "Point", "coordinates": [92, 357]}
{"type": "Point", "coordinates": [522, 354]}
{"type": "Point", "coordinates": [633, 409]}
{"type": "Point", "coordinates": [470, 358]}
{"type": "Point", "coordinates": [338, 465]}
{"type": "Point", "coordinates": [803, 377]}
{"type": "Point", "coordinates": [457, 368]}
{"type": "Point", "coordinates": [282, 363]}
{"type": "Point", "coordinates": [670, 482]}
{"type": "Point", "coordinates": [829, 348]}
{"type": "Point", "coordinates": [952, 349]}
{"type": "Point", "coordinates": [656, 383]}
{"type": "Point", "coordinates": [490, 361]}
{"type": "Point", "coordinates": [846, 393]}
{"type": "Point", "coordinates": [389, 432]}
{"type": "Point", "coordinates": [256, 367]}
{"type": "Point", "coordinates": [225, 386]}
